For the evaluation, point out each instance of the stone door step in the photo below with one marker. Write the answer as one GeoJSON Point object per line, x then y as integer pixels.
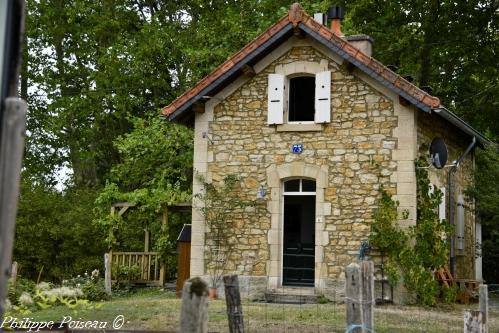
{"type": "Point", "coordinates": [294, 296]}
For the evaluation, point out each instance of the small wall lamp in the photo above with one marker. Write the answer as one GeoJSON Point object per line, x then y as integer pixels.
{"type": "Point", "coordinates": [260, 194]}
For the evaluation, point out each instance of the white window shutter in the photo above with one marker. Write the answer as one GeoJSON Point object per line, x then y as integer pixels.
{"type": "Point", "coordinates": [441, 207]}
{"type": "Point", "coordinates": [460, 222]}
{"type": "Point", "coordinates": [323, 97]}
{"type": "Point", "coordinates": [275, 99]}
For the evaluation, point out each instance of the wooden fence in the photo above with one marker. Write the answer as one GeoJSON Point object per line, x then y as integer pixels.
{"type": "Point", "coordinates": [360, 302]}
{"type": "Point", "coordinates": [146, 267]}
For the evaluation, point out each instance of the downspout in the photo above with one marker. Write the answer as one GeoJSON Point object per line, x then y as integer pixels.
{"type": "Point", "coordinates": [450, 183]}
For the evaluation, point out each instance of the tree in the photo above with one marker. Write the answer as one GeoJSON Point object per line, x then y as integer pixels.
{"type": "Point", "coordinates": [486, 193]}
{"type": "Point", "coordinates": [55, 237]}
{"type": "Point", "coordinates": [154, 173]}
{"type": "Point", "coordinates": [451, 46]}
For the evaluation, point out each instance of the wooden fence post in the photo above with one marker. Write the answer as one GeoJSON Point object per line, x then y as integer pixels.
{"type": "Point", "coordinates": [352, 274]}
{"type": "Point", "coordinates": [233, 302]}
{"type": "Point", "coordinates": [367, 295]}
{"type": "Point", "coordinates": [194, 311]}
{"type": "Point", "coordinates": [13, 273]}
{"type": "Point", "coordinates": [476, 321]}
{"type": "Point", "coordinates": [484, 305]}
{"type": "Point", "coordinates": [107, 273]}
{"type": "Point", "coordinates": [360, 297]}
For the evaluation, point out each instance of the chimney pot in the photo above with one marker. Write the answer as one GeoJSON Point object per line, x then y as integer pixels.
{"type": "Point", "coordinates": [335, 14]}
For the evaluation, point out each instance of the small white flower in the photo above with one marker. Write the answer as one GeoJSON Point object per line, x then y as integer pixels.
{"type": "Point", "coordinates": [95, 273]}
{"type": "Point", "coordinates": [64, 292]}
{"type": "Point", "coordinates": [43, 286]}
{"type": "Point", "coordinates": [25, 299]}
{"type": "Point", "coordinates": [79, 275]}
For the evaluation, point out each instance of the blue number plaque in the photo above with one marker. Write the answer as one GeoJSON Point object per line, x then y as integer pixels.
{"type": "Point", "coordinates": [297, 148]}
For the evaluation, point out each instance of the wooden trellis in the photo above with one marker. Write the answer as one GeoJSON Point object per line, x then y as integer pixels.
{"type": "Point", "coordinates": [152, 269]}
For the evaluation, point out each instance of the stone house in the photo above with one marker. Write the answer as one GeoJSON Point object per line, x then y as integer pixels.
{"type": "Point", "coordinates": [315, 127]}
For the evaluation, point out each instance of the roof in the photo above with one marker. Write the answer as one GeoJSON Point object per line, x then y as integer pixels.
{"type": "Point", "coordinates": [283, 29]}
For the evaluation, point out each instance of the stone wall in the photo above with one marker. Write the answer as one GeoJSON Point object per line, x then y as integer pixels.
{"type": "Point", "coordinates": [429, 127]}
{"type": "Point", "coordinates": [354, 152]}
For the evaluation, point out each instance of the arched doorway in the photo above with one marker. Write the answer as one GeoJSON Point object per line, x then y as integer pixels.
{"type": "Point", "coordinates": [298, 267]}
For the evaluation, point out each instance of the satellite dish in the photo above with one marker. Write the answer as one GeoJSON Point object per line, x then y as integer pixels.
{"type": "Point", "coordinates": [438, 153]}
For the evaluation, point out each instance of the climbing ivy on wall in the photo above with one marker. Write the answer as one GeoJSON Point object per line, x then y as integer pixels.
{"type": "Point", "coordinates": [414, 253]}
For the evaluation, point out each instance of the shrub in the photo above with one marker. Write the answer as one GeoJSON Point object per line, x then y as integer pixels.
{"type": "Point", "coordinates": [126, 273]}
{"type": "Point", "coordinates": [21, 286]}
{"type": "Point", "coordinates": [92, 287]}
{"type": "Point", "coordinates": [94, 290]}
{"type": "Point", "coordinates": [124, 276]}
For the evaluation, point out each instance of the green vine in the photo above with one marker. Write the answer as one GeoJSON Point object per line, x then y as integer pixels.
{"type": "Point", "coordinates": [414, 253]}
{"type": "Point", "coordinates": [219, 206]}
{"type": "Point", "coordinates": [149, 203]}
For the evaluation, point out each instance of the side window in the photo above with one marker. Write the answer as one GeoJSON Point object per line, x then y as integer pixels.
{"type": "Point", "coordinates": [299, 99]}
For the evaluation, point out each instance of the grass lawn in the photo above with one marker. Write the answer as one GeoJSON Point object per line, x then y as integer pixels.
{"type": "Point", "coordinates": [153, 309]}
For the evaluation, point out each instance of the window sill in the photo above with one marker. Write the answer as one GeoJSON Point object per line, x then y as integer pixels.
{"type": "Point", "coordinates": [299, 127]}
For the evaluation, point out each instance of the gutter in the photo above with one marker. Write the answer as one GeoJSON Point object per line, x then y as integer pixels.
{"type": "Point", "coordinates": [461, 124]}
{"type": "Point", "coordinates": [450, 182]}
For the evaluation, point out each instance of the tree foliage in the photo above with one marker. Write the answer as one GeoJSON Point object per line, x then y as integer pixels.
{"type": "Point", "coordinates": [154, 173]}
{"type": "Point", "coordinates": [451, 46]}
{"type": "Point", "coordinates": [486, 194]}
{"type": "Point", "coordinates": [55, 237]}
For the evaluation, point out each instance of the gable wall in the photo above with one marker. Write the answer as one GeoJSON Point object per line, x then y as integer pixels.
{"type": "Point", "coordinates": [369, 143]}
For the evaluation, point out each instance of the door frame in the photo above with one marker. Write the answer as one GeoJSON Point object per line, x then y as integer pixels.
{"type": "Point", "coordinates": [299, 193]}
{"type": "Point", "coordinates": [275, 176]}
{"type": "Point", "coordinates": [281, 236]}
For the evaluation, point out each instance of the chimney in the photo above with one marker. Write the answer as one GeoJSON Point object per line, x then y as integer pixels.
{"type": "Point", "coordinates": [335, 14]}
{"type": "Point", "coordinates": [362, 42]}
{"type": "Point", "coordinates": [321, 18]}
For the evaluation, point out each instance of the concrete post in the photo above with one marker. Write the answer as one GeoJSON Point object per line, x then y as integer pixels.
{"type": "Point", "coordinates": [194, 311]}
